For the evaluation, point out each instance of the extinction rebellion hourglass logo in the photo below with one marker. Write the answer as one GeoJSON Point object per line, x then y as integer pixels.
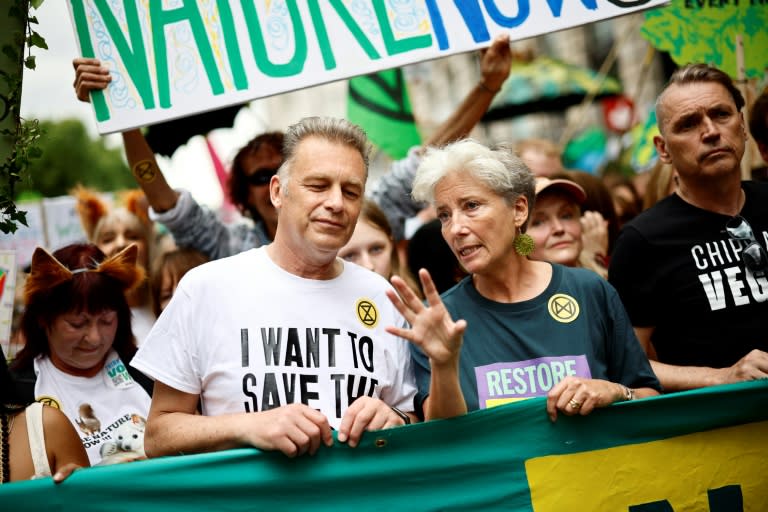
{"type": "Point", "coordinates": [563, 308]}
{"type": "Point", "coordinates": [367, 313]}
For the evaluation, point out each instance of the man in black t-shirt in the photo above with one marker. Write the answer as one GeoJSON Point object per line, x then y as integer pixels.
{"type": "Point", "coordinates": [692, 271]}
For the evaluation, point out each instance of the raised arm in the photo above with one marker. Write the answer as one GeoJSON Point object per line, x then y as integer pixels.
{"type": "Point", "coordinates": [141, 159]}
{"type": "Point", "coordinates": [191, 225]}
{"type": "Point", "coordinates": [594, 236]}
{"type": "Point", "coordinates": [495, 62]}
{"type": "Point", "coordinates": [393, 191]}
{"type": "Point", "coordinates": [90, 75]}
{"type": "Point", "coordinates": [439, 337]}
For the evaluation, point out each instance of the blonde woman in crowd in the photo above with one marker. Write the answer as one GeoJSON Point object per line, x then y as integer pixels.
{"type": "Point", "coordinates": [112, 229]}
{"type": "Point", "coordinates": [373, 247]}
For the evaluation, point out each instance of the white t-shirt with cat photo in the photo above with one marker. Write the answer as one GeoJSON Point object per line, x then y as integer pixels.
{"type": "Point", "coordinates": [108, 410]}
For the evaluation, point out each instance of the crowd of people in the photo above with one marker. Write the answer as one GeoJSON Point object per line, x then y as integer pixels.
{"type": "Point", "coordinates": [313, 321]}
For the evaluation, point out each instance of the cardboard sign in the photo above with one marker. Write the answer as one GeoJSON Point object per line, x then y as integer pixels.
{"type": "Point", "coordinates": [26, 238]}
{"type": "Point", "coordinates": [62, 222]}
{"type": "Point", "coordinates": [52, 223]}
{"type": "Point", "coordinates": [171, 59]}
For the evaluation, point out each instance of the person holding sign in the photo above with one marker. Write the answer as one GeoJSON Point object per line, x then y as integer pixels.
{"type": "Point", "coordinates": [283, 343]}
{"type": "Point", "coordinates": [522, 328]}
{"type": "Point", "coordinates": [393, 191]}
{"type": "Point", "coordinates": [693, 269]}
{"type": "Point", "coordinates": [254, 165]}
{"type": "Point", "coordinates": [190, 224]}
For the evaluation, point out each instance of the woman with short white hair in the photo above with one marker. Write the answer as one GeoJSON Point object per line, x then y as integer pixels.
{"type": "Point", "coordinates": [524, 328]}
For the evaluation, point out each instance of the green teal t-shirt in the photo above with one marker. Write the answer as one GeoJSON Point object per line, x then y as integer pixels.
{"type": "Point", "coordinates": [577, 326]}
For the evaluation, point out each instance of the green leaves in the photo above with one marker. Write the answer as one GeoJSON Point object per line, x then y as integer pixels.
{"type": "Point", "coordinates": [21, 137]}
{"type": "Point", "coordinates": [37, 40]}
{"type": "Point", "coordinates": [66, 155]}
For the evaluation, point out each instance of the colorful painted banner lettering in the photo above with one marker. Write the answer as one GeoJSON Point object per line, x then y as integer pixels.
{"type": "Point", "coordinates": [703, 450]}
{"type": "Point", "coordinates": [706, 30]}
{"type": "Point", "coordinates": [170, 59]}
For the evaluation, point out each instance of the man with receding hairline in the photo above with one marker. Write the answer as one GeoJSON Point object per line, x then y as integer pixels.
{"type": "Point", "coordinates": [692, 271]}
{"type": "Point", "coordinates": [281, 344]}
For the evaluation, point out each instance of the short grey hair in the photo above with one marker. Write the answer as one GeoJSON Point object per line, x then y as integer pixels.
{"type": "Point", "coordinates": [697, 73]}
{"type": "Point", "coordinates": [500, 170]}
{"type": "Point", "coordinates": [331, 129]}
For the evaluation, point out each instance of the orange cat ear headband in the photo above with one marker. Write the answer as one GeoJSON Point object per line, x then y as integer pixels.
{"type": "Point", "coordinates": [92, 208]}
{"type": "Point", "coordinates": [48, 272]}
{"type": "Point", "coordinates": [136, 202]}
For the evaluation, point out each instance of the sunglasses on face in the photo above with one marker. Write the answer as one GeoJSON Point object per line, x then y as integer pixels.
{"type": "Point", "coordinates": [753, 255]}
{"type": "Point", "coordinates": [261, 176]}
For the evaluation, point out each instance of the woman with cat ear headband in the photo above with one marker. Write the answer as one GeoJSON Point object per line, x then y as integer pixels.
{"type": "Point", "coordinates": [78, 345]}
{"type": "Point", "coordinates": [112, 228]}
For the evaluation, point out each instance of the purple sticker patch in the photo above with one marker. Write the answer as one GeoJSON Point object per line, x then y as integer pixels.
{"type": "Point", "coordinates": [500, 383]}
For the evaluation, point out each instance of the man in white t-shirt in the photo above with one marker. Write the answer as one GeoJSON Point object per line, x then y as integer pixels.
{"type": "Point", "coordinates": [284, 343]}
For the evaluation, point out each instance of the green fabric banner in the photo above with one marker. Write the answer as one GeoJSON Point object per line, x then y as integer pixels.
{"type": "Point", "coordinates": [700, 450]}
{"type": "Point", "coordinates": [379, 103]}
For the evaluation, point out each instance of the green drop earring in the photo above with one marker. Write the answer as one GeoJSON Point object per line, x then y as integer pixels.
{"type": "Point", "coordinates": [523, 244]}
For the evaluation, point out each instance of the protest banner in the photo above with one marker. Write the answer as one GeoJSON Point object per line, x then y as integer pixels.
{"type": "Point", "coordinates": [26, 238]}
{"type": "Point", "coordinates": [174, 59]}
{"type": "Point", "coordinates": [62, 221]}
{"type": "Point", "coordinates": [52, 223]}
{"type": "Point", "coordinates": [705, 31]}
{"type": "Point", "coordinates": [701, 450]}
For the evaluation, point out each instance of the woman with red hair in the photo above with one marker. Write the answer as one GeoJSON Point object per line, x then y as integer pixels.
{"type": "Point", "coordinates": [79, 343]}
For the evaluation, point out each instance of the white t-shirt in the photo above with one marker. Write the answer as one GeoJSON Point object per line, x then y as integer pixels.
{"type": "Point", "coordinates": [248, 336]}
{"type": "Point", "coordinates": [108, 410]}
{"type": "Point", "coordinates": [142, 320]}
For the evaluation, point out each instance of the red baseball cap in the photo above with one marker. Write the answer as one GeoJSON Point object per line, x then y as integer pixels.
{"type": "Point", "coordinates": [569, 187]}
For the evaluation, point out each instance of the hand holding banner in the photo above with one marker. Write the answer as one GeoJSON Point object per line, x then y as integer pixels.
{"type": "Point", "coordinates": [170, 62]}
{"type": "Point", "coordinates": [698, 450]}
